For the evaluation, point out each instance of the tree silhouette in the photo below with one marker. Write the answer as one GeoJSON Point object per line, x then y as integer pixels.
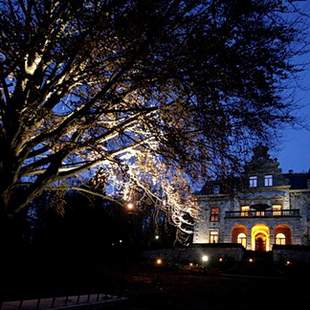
{"type": "Point", "coordinates": [152, 93]}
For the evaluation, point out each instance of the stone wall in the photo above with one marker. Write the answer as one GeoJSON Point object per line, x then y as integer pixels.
{"type": "Point", "coordinates": [300, 254]}
{"type": "Point", "coordinates": [203, 225]}
{"type": "Point", "coordinates": [194, 254]}
{"type": "Point", "coordinates": [280, 254]}
{"type": "Point", "coordinates": [301, 201]}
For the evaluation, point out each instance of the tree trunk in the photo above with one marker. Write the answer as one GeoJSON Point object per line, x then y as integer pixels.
{"type": "Point", "coordinates": [11, 235]}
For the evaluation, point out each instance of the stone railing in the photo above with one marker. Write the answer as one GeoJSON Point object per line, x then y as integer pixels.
{"type": "Point", "coordinates": [266, 213]}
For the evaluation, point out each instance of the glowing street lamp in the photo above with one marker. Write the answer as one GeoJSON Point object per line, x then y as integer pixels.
{"type": "Point", "coordinates": [159, 261]}
{"type": "Point", "coordinates": [204, 259]}
{"type": "Point", "coordinates": [130, 206]}
{"type": "Point", "coordinates": [156, 237]}
{"type": "Point", "coordinates": [251, 260]}
{"type": "Point", "coordinates": [132, 213]}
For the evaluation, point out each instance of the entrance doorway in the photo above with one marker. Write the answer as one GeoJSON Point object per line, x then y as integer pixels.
{"type": "Point", "coordinates": [260, 242]}
{"type": "Point", "coordinates": [260, 238]}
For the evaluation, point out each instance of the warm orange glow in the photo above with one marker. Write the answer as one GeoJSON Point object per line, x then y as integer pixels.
{"type": "Point", "coordinates": [283, 234]}
{"type": "Point", "coordinates": [239, 234]}
{"type": "Point", "coordinates": [245, 210]}
{"type": "Point", "coordinates": [251, 260]}
{"type": "Point", "coordinates": [159, 261]}
{"type": "Point", "coordinates": [276, 210]}
{"type": "Point", "coordinates": [130, 206]}
{"type": "Point", "coordinates": [242, 239]}
{"type": "Point", "coordinates": [191, 264]}
{"type": "Point", "coordinates": [260, 237]}
{"type": "Point", "coordinates": [280, 239]}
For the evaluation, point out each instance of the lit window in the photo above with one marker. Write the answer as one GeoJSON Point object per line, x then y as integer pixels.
{"type": "Point", "coordinates": [260, 213]}
{"type": "Point", "coordinates": [268, 180]}
{"type": "Point", "coordinates": [276, 210]}
{"type": "Point", "coordinates": [214, 215]}
{"type": "Point", "coordinates": [214, 236]}
{"type": "Point", "coordinates": [245, 210]}
{"type": "Point", "coordinates": [242, 239]}
{"type": "Point", "coordinates": [253, 181]}
{"type": "Point", "coordinates": [280, 239]}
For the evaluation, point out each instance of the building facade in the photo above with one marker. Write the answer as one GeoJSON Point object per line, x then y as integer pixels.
{"type": "Point", "coordinates": [261, 208]}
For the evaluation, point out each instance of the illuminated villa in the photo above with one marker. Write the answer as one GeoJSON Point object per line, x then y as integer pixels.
{"type": "Point", "coordinates": [266, 207]}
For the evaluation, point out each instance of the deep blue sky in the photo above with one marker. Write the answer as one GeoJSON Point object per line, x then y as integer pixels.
{"type": "Point", "coordinates": [293, 150]}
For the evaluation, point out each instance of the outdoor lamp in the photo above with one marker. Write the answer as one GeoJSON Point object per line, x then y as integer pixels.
{"type": "Point", "coordinates": [204, 258]}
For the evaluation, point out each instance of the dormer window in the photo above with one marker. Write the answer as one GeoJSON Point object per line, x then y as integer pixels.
{"type": "Point", "coordinates": [253, 181]}
{"type": "Point", "coordinates": [216, 189]}
{"type": "Point", "coordinates": [268, 180]}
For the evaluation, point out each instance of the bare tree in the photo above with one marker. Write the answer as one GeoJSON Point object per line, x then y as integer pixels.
{"type": "Point", "coordinates": [149, 92]}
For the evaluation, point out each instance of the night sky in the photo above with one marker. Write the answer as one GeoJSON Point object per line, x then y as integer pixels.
{"type": "Point", "coordinates": [293, 150]}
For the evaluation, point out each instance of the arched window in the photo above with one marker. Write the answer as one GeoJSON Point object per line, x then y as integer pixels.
{"type": "Point", "coordinates": [280, 239]}
{"type": "Point", "coordinates": [242, 239]}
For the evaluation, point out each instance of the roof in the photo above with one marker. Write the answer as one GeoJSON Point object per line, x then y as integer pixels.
{"type": "Point", "coordinates": [294, 180]}
{"type": "Point", "coordinates": [261, 164]}
{"type": "Point", "coordinates": [298, 180]}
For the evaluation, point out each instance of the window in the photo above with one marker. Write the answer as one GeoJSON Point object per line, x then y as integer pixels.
{"type": "Point", "coordinates": [245, 210]}
{"type": "Point", "coordinates": [268, 180]}
{"type": "Point", "coordinates": [214, 236]}
{"type": "Point", "coordinates": [276, 210]}
{"type": "Point", "coordinates": [216, 189]}
{"type": "Point", "coordinates": [280, 239]}
{"type": "Point", "coordinates": [242, 239]}
{"type": "Point", "coordinates": [214, 215]}
{"type": "Point", "coordinates": [253, 181]}
{"type": "Point", "coordinates": [260, 213]}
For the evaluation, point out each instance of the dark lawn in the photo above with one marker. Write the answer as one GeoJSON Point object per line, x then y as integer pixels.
{"type": "Point", "coordinates": [161, 288]}
{"type": "Point", "coordinates": [197, 291]}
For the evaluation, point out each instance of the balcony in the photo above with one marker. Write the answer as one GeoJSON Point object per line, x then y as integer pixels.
{"type": "Point", "coordinates": [265, 213]}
